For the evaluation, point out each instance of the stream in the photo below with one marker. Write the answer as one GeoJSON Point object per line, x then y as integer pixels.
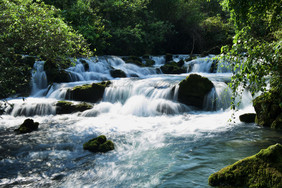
{"type": "Point", "coordinates": [159, 142]}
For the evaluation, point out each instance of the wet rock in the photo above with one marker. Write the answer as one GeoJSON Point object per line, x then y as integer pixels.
{"type": "Point", "coordinates": [193, 90]}
{"type": "Point", "coordinates": [117, 73]}
{"type": "Point", "coordinates": [149, 62]}
{"type": "Point", "coordinates": [248, 118]}
{"type": "Point", "coordinates": [28, 126]}
{"type": "Point", "coordinates": [134, 60]}
{"type": "Point", "coordinates": [214, 66]}
{"type": "Point", "coordinates": [99, 144]}
{"type": "Point", "coordinates": [168, 57]}
{"type": "Point", "coordinates": [85, 65]}
{"type": "Point", "coordinates": [88, 93]}
{"type": "Point", "coordinates": [66, 107]}
{"type": "Point", "coordinates": [172, 68]}
{"type": "Point", "coordinates": [261, 170]}
{"type": "Point", "coordinates": [269, 110]}
{"type": "Point", "coordinates": [55, 73]}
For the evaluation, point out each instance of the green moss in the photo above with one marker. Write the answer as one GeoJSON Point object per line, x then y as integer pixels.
{"type": "Point", "coordinates": [261, 170]}
{"type": "Point", "coordinates": [99, 144]}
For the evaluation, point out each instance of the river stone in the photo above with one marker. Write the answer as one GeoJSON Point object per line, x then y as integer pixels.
{"type": "Point", "coordinates": [172, 68]}
{"type": "Point", "coordinates": [117, 73]}
{"type": "Point", "coordinates": [261, 170]}
{"type": "Point", "coordinates": [66, 107]}
{"type": "Point", "coordinates": [88, 93]}
{"type": "Point", "coordinates": [248, 118]}
{"type": "Point", "coordinates": [193, 90]}
{"type": "Point", "coordinates": [99, 144]}
{"type": "Point", "coordinates": [269, 109]}
{"type": "Point", "coordinates": [27, 126]}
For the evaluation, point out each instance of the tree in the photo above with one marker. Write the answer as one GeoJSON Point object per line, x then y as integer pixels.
{"type": "Point", "coordinates": [256, 50]}
{"type": "Point", "coordinates": [34, 29]}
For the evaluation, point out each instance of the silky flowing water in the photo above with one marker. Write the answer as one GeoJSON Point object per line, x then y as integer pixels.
{"type": "Point", "coordinates": [158, 141]}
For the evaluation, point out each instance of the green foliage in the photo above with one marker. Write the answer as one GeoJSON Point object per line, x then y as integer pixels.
{"type": "Point", "coordinates": [256, 50]}
{"type": "Point", "coordinates": [32, 28]}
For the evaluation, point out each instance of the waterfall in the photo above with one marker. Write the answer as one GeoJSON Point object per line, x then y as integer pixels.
{"type": "Point", "coordinates": [39, 79]}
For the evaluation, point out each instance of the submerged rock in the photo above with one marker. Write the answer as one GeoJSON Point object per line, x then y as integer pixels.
{"type": "Point", "coordinates": [248, 118]}
{"type": "Point", "coordinates": [99, 144]}
{"type": "Point", "coordinates": [28, 126]}
{"type": "Point", "coordinates": [269, 110]}
{"type": "Point", "coordinates": [193, 90]}
{"type": "Point", "coordinates": [261, 170]}
{"type": "Point", "coordinates": [66, 107]}
{"type": "Point", "coordinates": [88, 93]}
{"type": "Point", "coordinates": [117, 73]}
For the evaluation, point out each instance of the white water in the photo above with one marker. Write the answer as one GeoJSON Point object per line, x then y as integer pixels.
{"type": "Point", "coordinates": [158, 141]}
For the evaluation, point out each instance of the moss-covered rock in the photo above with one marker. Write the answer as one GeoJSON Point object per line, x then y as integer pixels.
{"type": "Point", "coordinates": [248, 118]}
{"type": "Point", "coordinates": [193, 90]}
{"type": "Point", "coordinates": [27, 126]}
{"type": "Point", "coordinates": [88, 93]}
{"type": "Point", "coordinates": [261, 170]}
{"type": "Point", "coordinates": [268, 107]}
{"type": "Point", "coordinates": [117, 73]}
{"type": "Point", "coordinates": [99, 144]}
{"type": "Point", "coordinates": [172, 68]}
{"type": "Point", "coordinates": [134, 60]}
{"type": "Point", "coordinates": [66, 107]}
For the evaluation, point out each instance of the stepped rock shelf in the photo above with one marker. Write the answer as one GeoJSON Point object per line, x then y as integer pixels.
{"type": "Point", "coordinates": [168, 129]}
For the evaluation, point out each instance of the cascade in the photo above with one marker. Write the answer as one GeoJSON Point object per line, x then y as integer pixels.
{"type": "Point", "coordinates": [159, 142]}
{"type": "Point", "coordinates": [39, 79]}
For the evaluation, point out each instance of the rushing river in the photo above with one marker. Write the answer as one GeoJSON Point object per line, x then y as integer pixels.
{"type": "Point", "coordinates": [158, 141]}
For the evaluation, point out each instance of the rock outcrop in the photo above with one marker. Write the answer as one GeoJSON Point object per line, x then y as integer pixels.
{"type": "Point", "coordinates": [27, 126]}
{"type": "Point", "coordinates": [173, 68]}
{"type": "Point", "coordinates": [261, 170]}
{"type": "Point", "coordinates": [117, 73]}
{"type": "Point", "coordinates": [269, 110]}
{"type": "Point", "coordinates": [193, 89]}
{"type": "Point", "coordinates": [66, 107]}
{"type": "Point", "coordinates": [99, 144]}
{"type": "Point", "coordinates": [88, 93]}
{"type": "Point", "coordinates": [248, 118]}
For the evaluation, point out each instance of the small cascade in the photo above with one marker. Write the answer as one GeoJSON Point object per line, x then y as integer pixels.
{"type": "Point", "coordinates": [32, 107]}
{"type": "Point", "coordinates": [219, 97]}
{"type": "Point", "coordinates": [39, 79]}
{"type": "Point", "coordinates": [99, 69]}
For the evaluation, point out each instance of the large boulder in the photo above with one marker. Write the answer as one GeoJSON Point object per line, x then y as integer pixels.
{"type": "Point", "coordinates": [66, 107]}
{"type": "Point", "coordinates": [99, 144]}
{"type": "Point", "coordinates": [27, 126]}
{"type": "Point", "coordinates": [269, 109]}
{"type": "Point", "coordinates": [261, 170]}
{"type": "Point", "coordinates": [248, 117]}
{"type": "Point", "coordinates": [173, 68]}
{"type": "Point", "coordinates": [193, 89]}
{"type": "Point", "coordinates": [88, 93]}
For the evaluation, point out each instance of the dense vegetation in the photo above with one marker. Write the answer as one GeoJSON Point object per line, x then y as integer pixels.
{"type": "Point", "coordinates": [256, 50]}
{"type": "Point", "coordinates": [56, 29]}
